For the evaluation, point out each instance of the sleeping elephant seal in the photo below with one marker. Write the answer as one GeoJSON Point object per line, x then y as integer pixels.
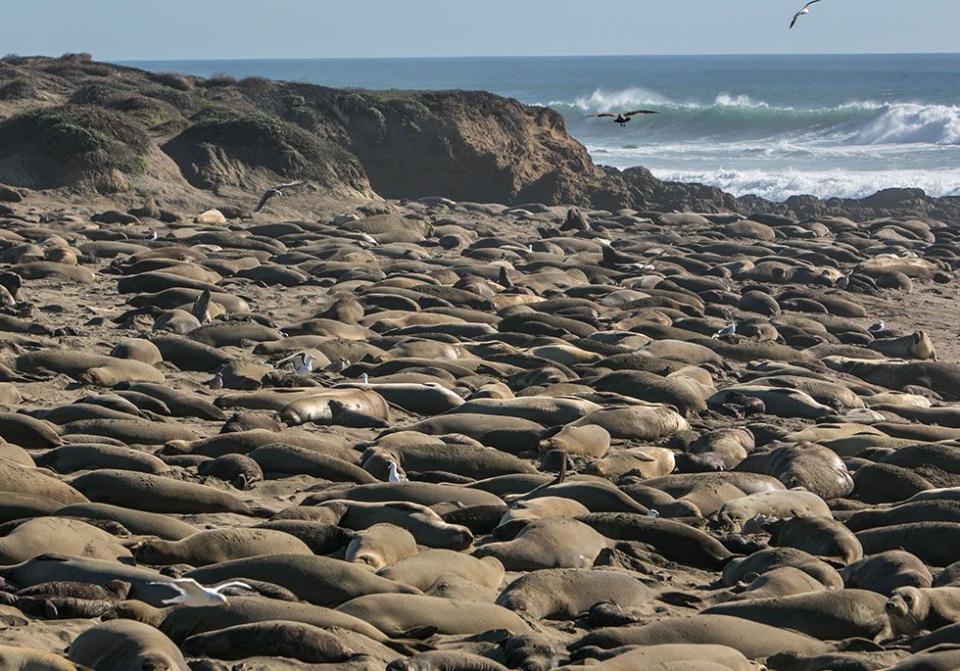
{"type": "Point", "coordinates": [35, 537]}
{"type": "Point", "coordinates": [553, 542]}
{"type": "Point", "coordinates": [828, 616]}
{"type": "Point", "coordinates": [320, 580]}
{"type": "Point", "coordinates": [426, 526]}
{"type": "Point", "coordinates": [914, 609]}
{"type": "Point", "coordinates": [762, 561]}
{"type": "Point", "coordinates": [446, 660]}
{"type": "Point", "coordinates": [381, 545]}
{"type": "Point", "coordinates": [422, 569]}
{"type": "Point", "coordinates": [36, 482]}
{"type": "Point", "coordinates": [565, 594]}
{"type": "Point", "coordinates": [674, 540]}
{"type": "Point", "coordinates": [885, 572]}
{"type": "Point", "coordinates": [819, 536]}
{"type": "Point", "coordinates": [157, 494]}
{"type": "Point", "coordinates": [18, 658]}
{"type": "Point", "coordinates": [218, 545]}
{"type": "Point", "coordinates": [276, 638]}
{"type": "Point", "coordinates": [135, 521]}
{"type": "Point", "coordinates": [736, 513]}
{"type": "Point", "coordinates": [752, 639]}
{"type": "Point", "coordinates": [674, 657]}
{"type": "Point", "coordinates": [181, 623]}
{"type": "Point", "coordinates": [397, 615]}
{"type": "Point", "coordinates": [126, 644]}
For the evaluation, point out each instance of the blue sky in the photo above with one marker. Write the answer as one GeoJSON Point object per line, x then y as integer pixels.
{"type": "Point", "coordinates": [215, 29]}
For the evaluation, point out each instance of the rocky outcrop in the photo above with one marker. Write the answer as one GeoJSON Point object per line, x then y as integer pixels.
{"type": "Point", "coordinates": [74, 123]}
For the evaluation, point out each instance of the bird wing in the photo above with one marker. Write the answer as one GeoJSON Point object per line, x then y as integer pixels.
{"type": "Point", "coordinates": [289, 185]}
{"type": "Point", "coordinates": [640, 112]}
{"type": "Point", "coordinates": [604, 114]}
{"type": "Point", "coordinates": [172, 585]}
{"type": "Point", "coordinates": [188, 586]}
{"type": "Point", "coordinates": [812, 2]}
{"type": "Point", "coordinates": [227, 585]}
{"type": "Point", "coordinates": [264, 199]}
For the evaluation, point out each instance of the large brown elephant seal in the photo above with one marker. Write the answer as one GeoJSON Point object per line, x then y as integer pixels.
{"type": "Point", "coordinates": [218, 545]}
{"type": "Point", "coordinates": [914, 609]}
{"type": "Point", "coordinates": [398, 615]}
{"type": "Point", "coordinates": [557, 594]}
{"type": "Point", "coordinates": [126, 644]}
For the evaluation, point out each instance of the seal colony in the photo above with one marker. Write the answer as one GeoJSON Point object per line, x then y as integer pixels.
{"type": "Point", "coordinates": [430, 434]}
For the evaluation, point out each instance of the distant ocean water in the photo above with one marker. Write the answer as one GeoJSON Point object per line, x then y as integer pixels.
{"type": "Point", "coordinates": [774, 126]}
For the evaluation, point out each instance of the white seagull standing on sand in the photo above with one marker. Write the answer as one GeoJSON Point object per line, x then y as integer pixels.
{"type": "Point", "coordinates": [275, 192]}
{"type": "Point", "coordinates": [802, 12]}
{"type": "Point", "coordinates": [192, 593]}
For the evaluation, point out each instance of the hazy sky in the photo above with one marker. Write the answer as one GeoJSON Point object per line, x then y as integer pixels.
{"type": "Point", "coordinates": [196, 29]}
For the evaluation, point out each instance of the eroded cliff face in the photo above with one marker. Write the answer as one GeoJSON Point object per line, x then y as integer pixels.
{"type": "Point", "coordinates": [74, 124]}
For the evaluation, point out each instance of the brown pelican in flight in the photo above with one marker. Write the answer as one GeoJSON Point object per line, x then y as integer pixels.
{"type": "Point", "coordinates": [802, 12]}
{"type": "Point", "coordinates": [622, 118]}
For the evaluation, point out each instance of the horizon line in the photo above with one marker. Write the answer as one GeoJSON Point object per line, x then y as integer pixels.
{"type": "Point", "coordinates": [521, 56]}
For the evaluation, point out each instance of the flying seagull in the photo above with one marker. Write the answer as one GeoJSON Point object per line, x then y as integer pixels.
{"type": "Point", "coordinates": [275, 192]}
{"type": "Point", "coordinates": [395, 474]}
{"type": "Point", "coordinates": [623, 118]}
{"type": "Point", "coordinates": [728, 330]}
{"type": "Point", "coordinates": [192, 593]}
{"type": "Point", "coordinates": [802, 12]}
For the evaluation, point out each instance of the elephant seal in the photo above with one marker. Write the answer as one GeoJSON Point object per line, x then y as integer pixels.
{"type": "Point", "coordinates": [426, 526]}
{"type": "Point", "coordinates": [157, 494]}
{"type": "Point", "coordinates": [137, 521]}
{"type": "Point", "coordinates": [885, 572]}
{"type": "Point", "coordinates": [447, 660]}
{"type": "Point", "coordinates": [914, 609]}
{"type": "Point", "coordinates": [239, 470]}
{"type": "Point", "coordinates": [320, 580]}
{"type": "Point", "coordinates": [35, 537]}
{"type": "Point", "coordinates": [828, 616]}
{"type": "Point", "coordinates": [380, 545]}
{"type": "Point", "coordinates": [398, 615]}
{"type": "Point", "coordinates": [19, 658]}
{"type": "Point", "coordinates": [674, 657]}
{"type": "Point", "coordinates": [126, 644]}
{"type": "Point", "coordinates": [762, 561]}
{"type": "Point", "coordinates": [819, 536]}
{"type": "Point", "coordinates": [928, 541]}
{"type": "Point", "coordinates": [752, 639]}
{"type": "Point", "coordinates": [565, 594]}
{"type": "Point", "coordinates": [181, 623]}
{"type": "Point", "coordinates": [422, 569]}
{"type": "Point", "coordinates": [274, 638]}
{"type": "Point", "coordinates": [674, 540]}
{"type": "Point", "coordinates": [218, 545]}
{"type": "Point", "coordinates": [553, 542]}
{"type": "Point", "coordinates": [736, 513]}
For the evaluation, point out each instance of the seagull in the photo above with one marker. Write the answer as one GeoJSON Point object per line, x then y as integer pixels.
{"type": "Point", "coordinates": [876, 328]}
{"type": "Point", "coordinates": [728, 330]}
{"type": "Point", "coordinates": [275, 192]}
{"type": "Point", "coordinates": [216, 382]}
{"type": "Point", "coordinates": [192, 593]}
{"type": "Point", "coordinates": [623, 118]}
{"type": "Point", "coordinates": [302, 363]}
{"type": "Point", "coordinates": [153, 235]}
{"type": "Point", "coordinates": [802, 12]}
{"type": "Point", "coordinates": [365, 378]}
{"type": "Point", "coordinates": [395, 474]}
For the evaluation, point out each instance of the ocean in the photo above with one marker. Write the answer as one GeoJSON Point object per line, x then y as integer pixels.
{"type": "Point", "coordinates": [774, 126]}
